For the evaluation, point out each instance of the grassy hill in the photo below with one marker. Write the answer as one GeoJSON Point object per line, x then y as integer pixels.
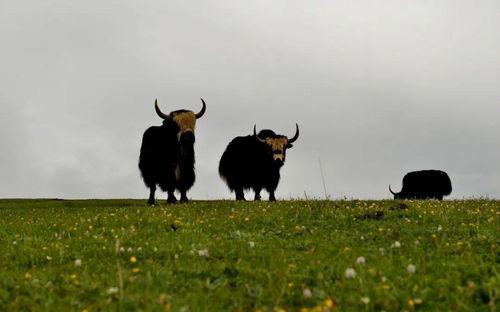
{"type": "Point", "coordinates": [107, 255]}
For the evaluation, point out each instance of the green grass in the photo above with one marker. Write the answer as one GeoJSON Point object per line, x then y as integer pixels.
{"type": "Point", "coordinates": [232, 256]}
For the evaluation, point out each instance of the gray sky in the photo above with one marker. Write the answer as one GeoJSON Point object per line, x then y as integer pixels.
{"type": "Point", "coordinates": [379, 88]}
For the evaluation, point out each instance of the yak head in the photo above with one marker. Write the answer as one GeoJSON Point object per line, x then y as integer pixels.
{"type": "Point", "coordinates": [396, 195]}
{"type": "Point", "coordinates": [185, 122]}
{"type": "Point", "coordinates": [278, 143]}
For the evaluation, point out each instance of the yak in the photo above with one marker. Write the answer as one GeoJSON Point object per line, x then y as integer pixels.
{"type": "Point", "coordinates": [254, 162]}
{"type": "Point", "coordinates": [167, 154]}
{"type": "Point", "coordinates": [424, 184]}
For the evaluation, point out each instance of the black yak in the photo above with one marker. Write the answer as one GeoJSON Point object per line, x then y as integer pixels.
{"type": "Point", "coordinates": [425, 184]}
{"type": "Point", "coordinates": [254, 162]}
{"type": "Point", "coordinates": [167, 154]}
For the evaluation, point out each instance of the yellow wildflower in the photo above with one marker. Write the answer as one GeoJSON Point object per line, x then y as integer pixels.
{"type": "Point", "coordinates": [329, 303]}
{"type": "Point", "coordinates": [133, 259]}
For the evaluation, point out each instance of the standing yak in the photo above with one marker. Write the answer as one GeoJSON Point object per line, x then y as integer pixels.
{"type": "Point", "coordinates": [167, 154]}
{"type": "Point", "coordinates": [424, 184]}
{"type": "Point", "coordinates": [254, 161]}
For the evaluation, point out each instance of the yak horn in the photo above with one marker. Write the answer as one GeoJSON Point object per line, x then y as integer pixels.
{"type": "Point", "coordinates": [158, 111]}
{"type": "Point", "coordinates": [256, 136]}
{"type": "Point", "coordinates": [296, 136]}
{"type": "Point", "coordinates": [202, 110]}
{"type": "Point", "coordinates": [391, 190]}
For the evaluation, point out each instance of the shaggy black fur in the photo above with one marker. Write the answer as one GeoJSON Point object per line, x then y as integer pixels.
{"type": "Point", "coordinates": [161, 153]}
{"type": "Point", "coordinates": [425, 184]}
{"type": "Point", "coordinates": [248, 163]}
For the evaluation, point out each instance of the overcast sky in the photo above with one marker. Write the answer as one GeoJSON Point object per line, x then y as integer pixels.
{"type": "Point", "coordinates": [379, 88]}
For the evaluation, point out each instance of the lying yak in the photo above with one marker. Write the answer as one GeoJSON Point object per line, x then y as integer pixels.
{"type": "Point", "coordinates": [425, 184]}
{"type": "Point", "coordinates": [167, 154]}
{"type": "Point", "coordinates": [254, 162]}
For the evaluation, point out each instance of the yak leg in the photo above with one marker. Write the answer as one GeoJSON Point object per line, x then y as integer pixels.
{"type": "Point", "coordinates": [171, 197]}
{"type": "Point", "coordinates": [271, 196]}
{"type": "Point", "coordinates": [240, 195]}
{"type": "Point", "coordinates": [151, 200]}
{"type": "Point", "coordinates": [257, 193]}
{"type": "Point", "coordinates": [184, 198]}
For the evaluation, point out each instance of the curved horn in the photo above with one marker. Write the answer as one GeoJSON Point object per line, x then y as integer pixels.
{"type": "Point", "coordinates": [296, 136]}
{"type": "Point", "coordinates": [391, 190]}
{"type": "Point", "coordinates": [202, 110]}
{"type": "Point", "coordinates": [256, 136]}
{"type": "Point", "coordinates": [158, 111]}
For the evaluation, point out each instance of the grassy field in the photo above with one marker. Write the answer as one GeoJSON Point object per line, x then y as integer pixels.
{"type": "Point", "coordinates": [109, 255]}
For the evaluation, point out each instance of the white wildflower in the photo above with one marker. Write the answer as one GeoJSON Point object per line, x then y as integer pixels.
{"type": "Point", "coordinates": [396, 244]}
{"type": "Point", "coordinates": [365, 300]}
{"type": "Point", "coordinates": [78, 262]}
{"type": "Point", "coordinates": [238, 233]}
{"type": "Point", "coordinates": [129, 249]}
{"type": "Point", "coordinates": [251, 244]}
{"type": "Point", "coordinates": [440, 228]}
{"type": "Point", "coordinates": [203, 253]}
{"type": "Point", "coordinates": [307, 293]}
{"type": "Point", "coordinates": [139, 249]}
{"type": "Point", "coordinates": [122, 249]}
{"type": "Point", "coordinates": [350, 273]}
{"type": "Point", "coordinates": [112, 290]}
{"type": "Point", "coordinates": [411, 268]}
{"type": "Point", "coordinates": [361, 260]}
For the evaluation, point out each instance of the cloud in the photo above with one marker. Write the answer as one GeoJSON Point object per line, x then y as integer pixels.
{"type": "Point", "coordinates": [378, 90]}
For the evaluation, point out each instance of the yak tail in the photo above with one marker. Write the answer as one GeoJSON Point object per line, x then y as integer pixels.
{"type": "Point", "coordinates": [223, 178]}
{"type": "Point", "coordinates": [391, 190]}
